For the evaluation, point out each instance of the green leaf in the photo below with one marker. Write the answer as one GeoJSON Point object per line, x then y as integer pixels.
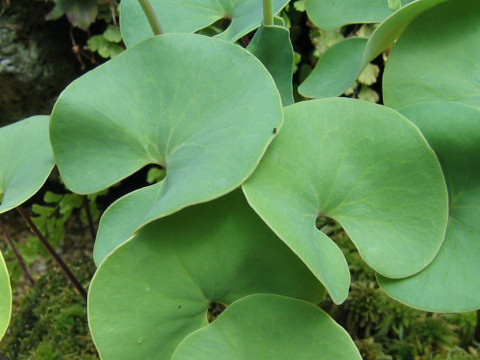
{"type": "Point", "coordinates": [105, 48]}
{"type": "Point", "coordinates": [393, 27]}
{"type": "Point", "coordinates": [155, 175]}
{"type": "Point", "coordinates": [324, 81]}
{"type": "Point", "coordinates": [52, 198]}
{"type": "Point", "coordinates": [56, 233]}
{"type": "Point", "coordinates": [269, 327]}
{"type": "Point", "coordinates": [451, 282]}
{"type": "Point", "coordinates": [394, 4]}
{"type": "Point", "coordinates": [112, 34]}
{"type": "Point", "coordinates": [369, 74]}
{"type": "Point", "coordinates": [5, 299]}
{"type": "Point", "coordinates": [14, 270]}
{"type": "Point", "coordinates": [329, 15]}
{"type": "Point", "coordinates": [188, 16]}
{"type": "Point", "coordinates": [111, 50]}
{"type": "Point", "coordinates": [43, 210]}
{"type": "Point", "coordinates": [30, 249]}
{"type": "Point", "coordinates": [96, 42]}
{"type": "Point", "coordinates": [57, 12]}
{"type": "Point", "coordinates": [372, 172]}
{"type": "Point", "coordinates": [207, 119]}
{"type": "Point", "coordinates": [80, 13]}
{"type": "Point", "coordinates": [368, 94]}
{"type": "Point", "coordinates": [41, 223]}
{"type": "Point", "coordinates": [299, 5]}
{"type": "Point", "coordinates": [26, 160]}
{"type": "Point", "coordinates": [343, 64]}
{"type": "Point", "coordinates": [441, 48]}
{"type": "Point", "coordinates": [272, 46]}
{"type": "Point", "coordinates": [70, 202]}
{"type": "Point", "coordinates": [156, 288]}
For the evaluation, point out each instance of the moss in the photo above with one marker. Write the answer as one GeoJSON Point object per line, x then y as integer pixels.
{"type": "Point", "coordinates": [370, 350]}
{"type": "Point", "coordinates": [52, 321]}
{"type": "Point", "coordinates": [386, 329]}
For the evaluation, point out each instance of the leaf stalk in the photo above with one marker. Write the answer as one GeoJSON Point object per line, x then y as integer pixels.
{"type": "Point", "coordinates": [268, 12]}
{"type": "Point", "coordinates": [91, 225]}
{"type": "Point", "coordinates": [151, 16]}
{"type": "Point", "coordinates": [52, 252]}
{"type": "Point", "coordinates": [10, 242]}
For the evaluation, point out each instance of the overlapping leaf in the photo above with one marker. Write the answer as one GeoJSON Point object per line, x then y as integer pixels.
{"type": "Point", "coordinates": [451, 281]}
{"type": "Point", "coordinates": [5, 299]}
{"type": "Point", "coordinates": [363, 165]}
{"type": "Point", "coordinates": [189, 16]}
{"type": "Point", "coordinates": [273, 47]}
{"type": "Point", "coordinates": [269, 327]}
{"type": "Point", "coordinates": [206, 118]}
{"type": "Point", "coordinates": [336, 70]}
{"type": "Point", "coordinates": [330, 14]}
{"type": "Point", "coordinates": [155, 289]}
{"type": "Point", "coordinates": [26, 160]}
{"type": "Point", "coordinates": [346, 60]}
{"type": "Point", "coordinates": [436, 59]}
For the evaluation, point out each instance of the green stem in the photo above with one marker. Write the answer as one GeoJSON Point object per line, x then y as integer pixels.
{"type": "Point", "coordinates": [151, 16]}
{"type": "Point", "coordinates": [268, 12]}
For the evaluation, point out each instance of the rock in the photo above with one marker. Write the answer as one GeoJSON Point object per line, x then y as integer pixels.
{"type": "Point", "coordinates": [36, 60]}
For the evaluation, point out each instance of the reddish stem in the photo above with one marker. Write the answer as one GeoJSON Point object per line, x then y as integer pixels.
{"type": "Point", "coordinates": [52, 252]}
{"type": "Point", "coordinates": [17, 253]}
{"type": "Point", "coordinates": [89, 217]}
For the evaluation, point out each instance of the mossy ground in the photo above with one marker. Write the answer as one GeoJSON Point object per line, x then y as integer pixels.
{"type": "Point", "coordinates": [52, 321]}
{"type": "Point", "coordinates": [384, 329]}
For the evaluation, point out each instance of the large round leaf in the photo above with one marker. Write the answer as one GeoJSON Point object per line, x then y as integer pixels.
{"type": "Point", "coordinates": [331, 14]}
{"type": "Point", "coordinates": [341, 65]}
{"type": "Point", "coordinates": [207, 118]}
{"type": "Point", "coordinates": [156, 288]}
{"type": "Point", "coordinates": [26, 160]}
{"type": "Point", "coordinates": [437, 58]}
{"type": "Point", "coordinates": [451, 281]}
{"type": "Point", "coordinates": [393, 27]}
{"type": "Point", "coordinates": [269, 327]}
{"type": "Point", "coordinates": [363, 165]}
{"type": "Point", "coordinates": [5, 299]}
{"type": "Point", "coordinates": [188, 16]}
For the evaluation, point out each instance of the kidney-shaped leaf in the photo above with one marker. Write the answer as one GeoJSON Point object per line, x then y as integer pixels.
{"type": "Point", "coordinates": [202, 108]}
{"type": "Point", "coordinates": [437, 58]}
{"type": "Point", "coordinates": [269, 327]}
{"type": "Point", "coordinates": [188, 16]}
{"type": "Point", "coordinates": [5, 299]}
{"type": "Point", "coordinates": [393, 27]}
{"type": "Point", "coordinates": [155, 289]}
{"type": "Point", "coordinates": [26, 160]}
{"type": "Point", "coordinates": [341, 65]}
{"type": "Point", "coordinates": [363, 165]}
{"type": "Point", "coordinates": [451, 281]}
{"type": "Point", "coordinates": [329, 14]}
